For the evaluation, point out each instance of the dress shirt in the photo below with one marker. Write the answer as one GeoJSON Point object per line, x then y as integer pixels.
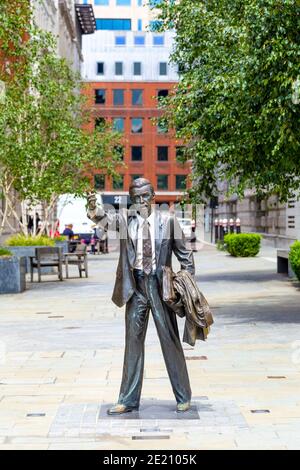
{"type": "Point", "coordinates": [139, 245]}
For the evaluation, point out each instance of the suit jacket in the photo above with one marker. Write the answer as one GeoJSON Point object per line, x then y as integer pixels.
{"type": "Point", "coordinates": [182, 295]}
{"type": "Point", "coordinates": [169, 239]}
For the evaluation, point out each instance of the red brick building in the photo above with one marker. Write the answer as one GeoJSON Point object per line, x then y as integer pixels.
{"type": "Point", "coordinates": [149, 150]}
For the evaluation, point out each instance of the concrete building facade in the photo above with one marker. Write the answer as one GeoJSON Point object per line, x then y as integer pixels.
{"type": "Point", "coordinates": [62, 19]}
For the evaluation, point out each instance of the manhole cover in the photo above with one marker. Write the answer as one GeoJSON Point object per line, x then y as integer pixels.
{"type": "Point", "coordinates": [35, 415]}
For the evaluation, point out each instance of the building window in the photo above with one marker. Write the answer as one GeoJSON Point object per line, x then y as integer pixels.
{"type": "Point", "coordinates": [99, 123]}
{"type": "Point", "coordinates": [162, 127]}
{"type": "Point", "coordinates": [136, 153]}
{"type": "Point", "coordinates": [118, 68]}
{"type": "Point", "coordinates": [162, 154]}
{"type": "Point", "coordinates": [100, 96]}
{"type": "Point", "coordinates": [113, 24]}
{"type": "Point", "coordinates": [135, 177]}
{"type": "Point", "coordinates": [162, 93]}
{"type": "Point", "coordinates": [101, 2]}
{"type": "Point", "coordinates": [163, 68]}
{"type": "Point", "coordinates": [180, 154]}
{"type": "Point", "coordinates": [139, 3]}
{"type": "Point", "coordinates": [118, 124]}
{"type": "Point", "coordinates": [139, 40]}
{"type": "Point", "coordinates": [100, 68]}
{"type": "Point", "coordinates": [155, 25]}
{"type": "Point", "coordinates": [123, 3]}
{"type": "Point", "coordinates": [136, 125]}
{"type": "Point", "coordinates": [181, 182]}
{"type": "Point", "coordinates": [118, 183]}
{"type": "Point", "coordinates": [136, 97]}
{"type": "Point", "coordinates": [137, 68]}
{"type": "Point", "coordinates": [99, 182]}
{"type": "Point", "coordinates": [162, 181]}
{"type": "Point", "coordinates": [139, 25]}
{"type": "Point", "coordinates": [119, 150]}
{"type": "Point", "coordinates": [158, 40]}
{"type": "Point", "coordinates": [118, 97]}
{"type": "Point", "coordinates": [120, 41]}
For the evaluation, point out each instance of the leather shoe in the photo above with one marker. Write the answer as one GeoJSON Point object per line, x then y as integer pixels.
{"type": "Point", "coordinates": [182, 407]}
{"type": "Point", "coordinates": [119, 409]}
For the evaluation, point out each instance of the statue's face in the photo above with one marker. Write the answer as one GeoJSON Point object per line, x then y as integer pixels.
{"type": "Point", "coordinates": [142, 199]}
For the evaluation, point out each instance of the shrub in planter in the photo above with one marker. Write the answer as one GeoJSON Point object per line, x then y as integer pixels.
{"type": "Point", "coordinates": [4, 252]}
{"type": "Point", "coordinates": [20, 245]}
{"type": "Point", "coordinates": [243, 244]}
{"type": "Point", "coordinates": [22, 240]}
{"type": "Point", "coordinates": [294, 258]}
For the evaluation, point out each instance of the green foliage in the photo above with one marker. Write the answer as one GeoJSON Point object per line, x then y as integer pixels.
{"type": "Point", "coordinates": [237, 103]}
{"type": "Point", "coordinates": [242, 244]}
{"type": "Point", "coordinates": [221, 245]}
{"type": "Point", "coordinates": [4, 252]}
{"type": "Point", "coordinates": [60, 238]}
{"type": "Point", "coordinates": [45, 148]}
{"type": "Point", "coordinates": [22, 240]}
{"type": "Point", "coordinates": [294, 257]}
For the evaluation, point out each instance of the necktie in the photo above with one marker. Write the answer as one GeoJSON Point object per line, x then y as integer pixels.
{"type": "Point", "coordinates": [147, 249]}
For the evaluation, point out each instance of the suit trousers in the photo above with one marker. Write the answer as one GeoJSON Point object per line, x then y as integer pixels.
{"type": "Point", "coordinates": [145, 298]}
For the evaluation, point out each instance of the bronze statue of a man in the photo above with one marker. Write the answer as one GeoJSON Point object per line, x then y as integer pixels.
{"type": "Point", "coordinates": [150, 239]}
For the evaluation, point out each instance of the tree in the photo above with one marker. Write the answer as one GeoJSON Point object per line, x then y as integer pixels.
{"type": "Point", "coordinates": [237, 101]}
{"type": "Point", "coordinates": [44, 148]}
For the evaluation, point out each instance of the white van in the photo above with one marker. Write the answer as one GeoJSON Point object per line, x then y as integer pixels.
{"type": "Point", "coordinates": [72, 210]}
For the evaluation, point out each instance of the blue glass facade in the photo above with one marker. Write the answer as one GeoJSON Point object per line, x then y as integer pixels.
{"type": "Point", "coordinates": [101, 2]}
{"type": "Point", "coordinates": [113, 24]}
{"type": "Point", "coordinates": [122, 3]}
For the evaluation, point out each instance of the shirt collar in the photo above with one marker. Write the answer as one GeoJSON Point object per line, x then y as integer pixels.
{"type": "Point", "coordinates": [150, 218]}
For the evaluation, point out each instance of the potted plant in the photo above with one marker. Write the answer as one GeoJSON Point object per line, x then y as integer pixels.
{"type": "Point", "coordinates": [21, 245]}
{"type": "Point", "coordinates": [12, 272]}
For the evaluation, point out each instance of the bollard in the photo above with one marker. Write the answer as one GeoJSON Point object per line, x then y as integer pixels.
{"type": "Point", "coordinates": [238, 225]}
{"type": "Point", "coordinates": [216, 230]}
{"type": "Point", "coordinates": [225, 226]}
{"type": "Point", "coordinates": [221, 230]}
{"type": "Point", "coordinates": [231, 226]}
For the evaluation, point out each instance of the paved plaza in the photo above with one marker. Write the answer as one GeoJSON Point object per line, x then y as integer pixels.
{"type": "Point", "coordinates": [62, 353]}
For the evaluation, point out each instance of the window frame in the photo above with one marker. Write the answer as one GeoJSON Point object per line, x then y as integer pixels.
{"type": "Point", "coordinates": [115, 91]}
{"type": "Point", "coordinates": [131, 153]}
{"type": "Point", "coordinates": [167, 181]}
{"type": "Point", "coordinates": [131, 126]}
{"type": "Point", "coordinates": [122, 69]}
{"type": "Point", "coordinates": [158, 149]}
{"type": "Point", "coordinates": [96, 95]}
{"type": "Point", "coordinates": [142, 96]}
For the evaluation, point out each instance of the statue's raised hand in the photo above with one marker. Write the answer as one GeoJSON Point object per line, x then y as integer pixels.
{"type": "Point", "coordinates": [91, 201]}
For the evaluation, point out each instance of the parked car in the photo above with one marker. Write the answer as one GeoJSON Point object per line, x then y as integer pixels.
{"type": "Point", "coordinates": [187, 226]}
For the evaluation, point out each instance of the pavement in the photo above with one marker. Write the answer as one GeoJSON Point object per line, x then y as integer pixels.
{"type": "Point", "coordinates": [61, 355]}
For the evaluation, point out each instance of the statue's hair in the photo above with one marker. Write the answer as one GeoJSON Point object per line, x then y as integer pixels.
{"type": "Point", "coordinates": [139, 183]}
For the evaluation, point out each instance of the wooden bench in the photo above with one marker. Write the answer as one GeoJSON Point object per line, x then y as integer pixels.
{"type": "Point", "coordinates": [78, 258]}
{"type": "Point", "coordinates": [283, 263]}
{"type": "Point", "coordinates": [47, 256]}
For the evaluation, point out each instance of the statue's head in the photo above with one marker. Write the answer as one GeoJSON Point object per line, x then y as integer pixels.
{"type": "Point", "coordinates": [142, 195]}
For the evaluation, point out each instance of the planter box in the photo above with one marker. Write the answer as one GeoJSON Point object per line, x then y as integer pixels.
{"type": "Point", "coordinates": [12, 275]}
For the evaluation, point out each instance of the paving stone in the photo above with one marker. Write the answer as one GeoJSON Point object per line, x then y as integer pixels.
{"type": "Point", "coordinates": [75, 364]}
